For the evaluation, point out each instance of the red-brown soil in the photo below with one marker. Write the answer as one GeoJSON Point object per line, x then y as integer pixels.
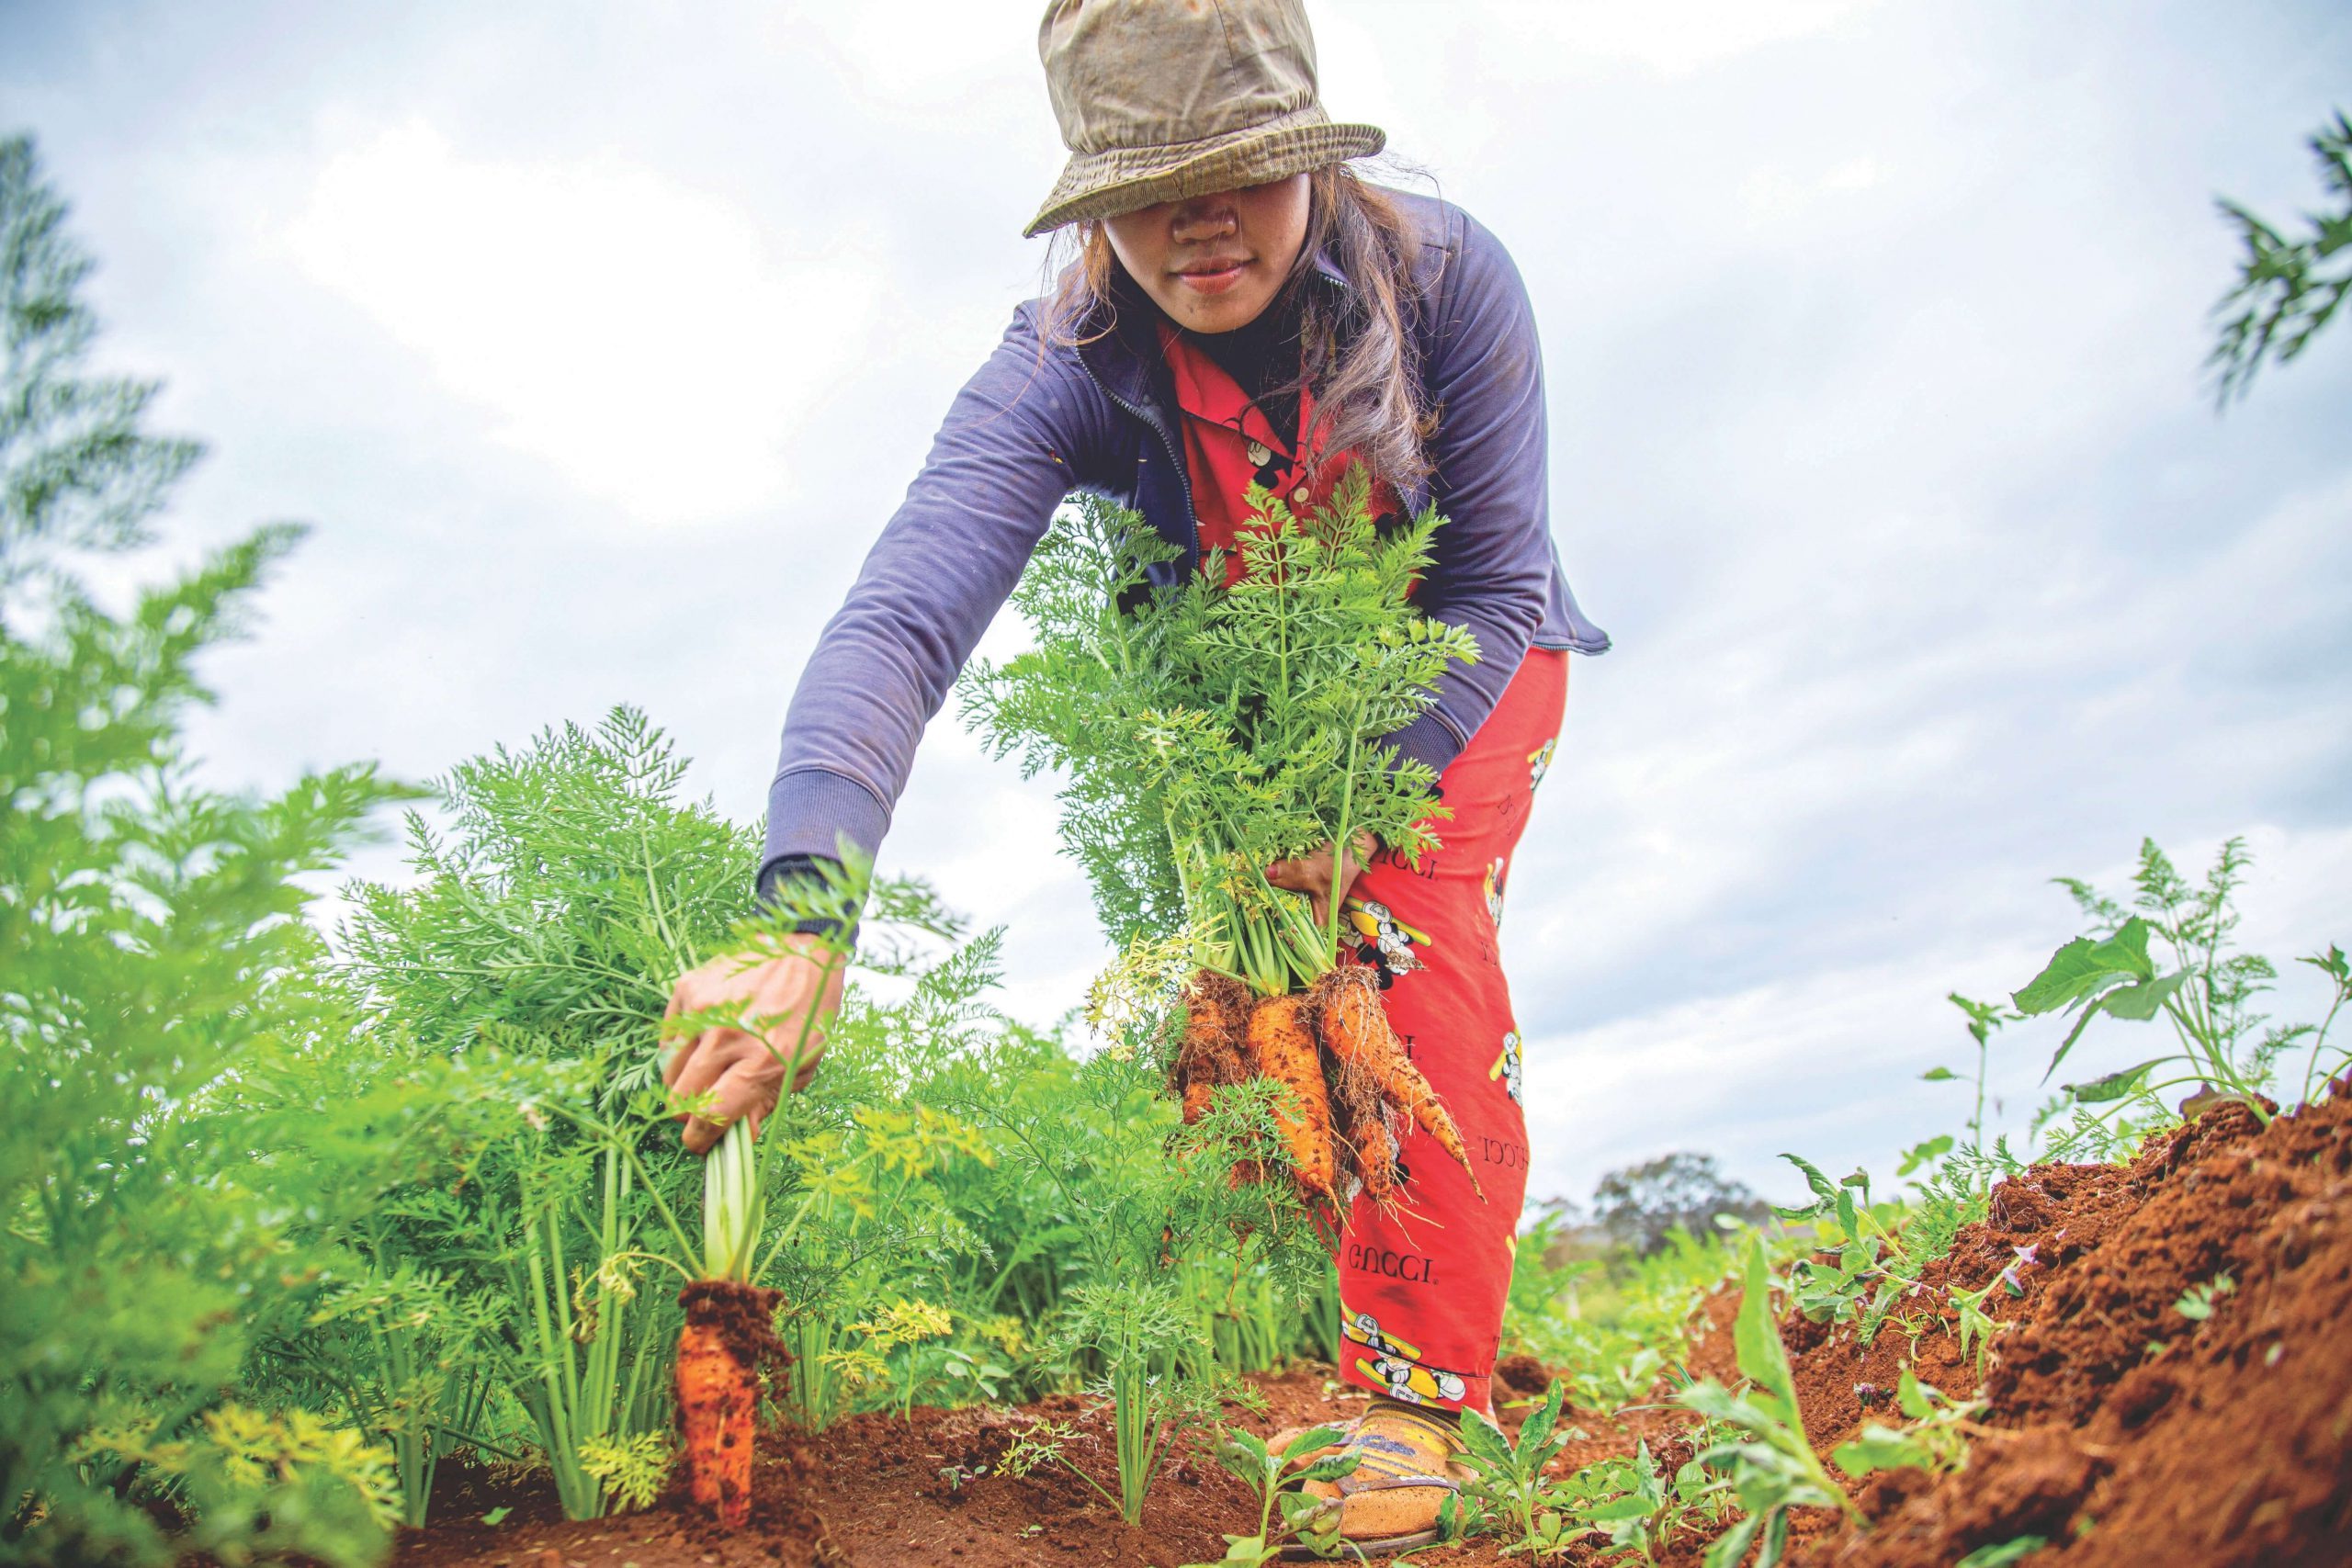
{"type": "Point", "coordinates": [2131, 1435]}
{"type": "Point", "coordinates": [2229, 1445]}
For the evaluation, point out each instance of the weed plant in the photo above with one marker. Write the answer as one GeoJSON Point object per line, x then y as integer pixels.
{"type": "Point", "coordinates": [1277, 1478]}
{"type": "Point", "coordinates": [2221, 1048]}
{"type": "Point", "coordinates": [1768, 1466]}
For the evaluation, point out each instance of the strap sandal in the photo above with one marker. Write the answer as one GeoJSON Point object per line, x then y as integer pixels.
{"type": "Point", "coordinates": [1404, 1473]}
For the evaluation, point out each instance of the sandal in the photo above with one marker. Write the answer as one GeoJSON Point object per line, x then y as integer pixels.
{"type": "Point", "coordinates": [1404, 1473]}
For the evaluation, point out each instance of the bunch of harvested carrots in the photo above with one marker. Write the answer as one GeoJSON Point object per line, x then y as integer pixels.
{"type": "Point", "coordinates": [1351, 1086]}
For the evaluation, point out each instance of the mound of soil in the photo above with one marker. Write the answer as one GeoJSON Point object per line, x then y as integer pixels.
{"type": "Point", "coordinates": [2130, 1433]}
{"type": "Point", "coordinates": [2123, 1431]}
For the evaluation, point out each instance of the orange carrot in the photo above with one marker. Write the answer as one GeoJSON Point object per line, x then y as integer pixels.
{"type": "Point", "coordinates": [1360, 1123]}
{"type": "Point", "coordinates": [1356, 1029]}
{"type": "Point", "coordinates": [727, 1334]}
{"type": "Point", "coordinates": [1281, 1047]}
{"type": "Point", "coordinates": [1216, 1014]}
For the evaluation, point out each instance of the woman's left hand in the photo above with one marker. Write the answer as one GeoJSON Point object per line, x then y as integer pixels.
{"type": "Point", "coordinates": [1311, 874]}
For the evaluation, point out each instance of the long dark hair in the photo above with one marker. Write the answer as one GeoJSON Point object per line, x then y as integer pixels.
{"type": "Point", "coordinates": [1359, 359]}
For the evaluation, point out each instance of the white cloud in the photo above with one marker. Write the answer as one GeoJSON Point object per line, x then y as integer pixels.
{"type": "Point", "coordinates": [1825, 1061]}
{"type": "Point", "coordinates": [649, 342]}
{"type": "Point", "coordinates": [1674, 39]}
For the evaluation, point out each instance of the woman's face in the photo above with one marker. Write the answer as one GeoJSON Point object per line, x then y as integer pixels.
{"type": "Point", "coordinates": [1214, 262]}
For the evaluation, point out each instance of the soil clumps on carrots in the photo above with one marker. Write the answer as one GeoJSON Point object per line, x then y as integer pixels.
{"type": "Point", "coordinates": [729, 1339]}
{"type": "Point", "coordinates": [1210, 1055]}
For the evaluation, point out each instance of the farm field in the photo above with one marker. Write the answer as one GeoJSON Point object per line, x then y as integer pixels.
{"type": "Point", "coordinates": [372, 1238]}
{"type": "Point", "coordinates": [2082, 1420]}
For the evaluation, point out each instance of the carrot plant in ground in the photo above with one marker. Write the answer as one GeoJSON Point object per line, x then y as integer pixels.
{"type": "Point", "coordinates": [155, 964]}
{"type": "Point", "coordinates": [534, 952]}
{"type": "Point", "coordinates": [1158, 1208]}
{"type": "Point", "coordinates": [1206, 731]}
{"type": "Point", "coordinates": [533, 948]}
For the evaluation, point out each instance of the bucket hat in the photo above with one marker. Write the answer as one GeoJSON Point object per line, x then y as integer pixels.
{"type": "Point", "coordinates": [1163, 99]}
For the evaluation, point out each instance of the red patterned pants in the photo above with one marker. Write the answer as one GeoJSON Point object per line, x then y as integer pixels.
{"type": "Point", "coordinates": [1422, 1286]}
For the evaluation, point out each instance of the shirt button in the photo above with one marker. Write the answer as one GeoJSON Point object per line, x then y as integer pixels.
{"type": "Point", "coordinates": [1298, 497]}
{"type": "Point", "coordinates": [1258, 453]}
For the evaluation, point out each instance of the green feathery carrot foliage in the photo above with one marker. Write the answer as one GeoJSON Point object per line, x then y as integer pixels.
{"type": "Point", "coordinates": [1204, 731]}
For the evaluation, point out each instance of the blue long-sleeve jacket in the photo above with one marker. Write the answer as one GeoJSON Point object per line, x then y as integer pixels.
{"type": "Point", "coordinates": [1042, 419]}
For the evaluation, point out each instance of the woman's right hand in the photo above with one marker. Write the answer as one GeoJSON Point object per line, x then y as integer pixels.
{"type": "Point", "coordinates": [791, 996]}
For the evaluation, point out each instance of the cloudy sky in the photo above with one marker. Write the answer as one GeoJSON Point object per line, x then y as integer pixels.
{"type": "Point", "coordinates": [599, 339]}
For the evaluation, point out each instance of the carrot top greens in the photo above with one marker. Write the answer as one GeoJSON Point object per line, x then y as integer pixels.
{"type": "Point", "coordinates": [1204, 731]}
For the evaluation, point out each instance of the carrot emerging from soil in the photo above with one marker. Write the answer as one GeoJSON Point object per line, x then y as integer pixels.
{"type": "Point", "coordinates": [727, 1337]}
{"type": "Point", "coordinates": [1281, 1047]}
{"type": "Point", "coordinates": [1355, 1028]}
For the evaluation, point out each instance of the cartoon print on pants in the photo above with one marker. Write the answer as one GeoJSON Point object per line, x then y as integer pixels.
{"type": "Point", "coordinates": [1382, 941]}
{"type": "Point", "coordinates": [1395, 1363]}
{"type": "Point", "coordinates": [1506, 1067]}
{"type": "Point", "coordinates": [1495, 892]}
{"type": "Point", "coordinates": [1539, 762]}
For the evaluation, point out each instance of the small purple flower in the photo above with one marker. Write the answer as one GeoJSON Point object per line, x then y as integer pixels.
{"type": "Point", "coordinates": [2025, 1259]}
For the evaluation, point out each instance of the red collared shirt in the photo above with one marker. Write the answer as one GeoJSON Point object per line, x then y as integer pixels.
{"type": "Point", "coordinates": [1230, 444]}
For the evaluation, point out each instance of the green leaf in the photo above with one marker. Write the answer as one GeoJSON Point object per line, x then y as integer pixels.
{"type": "Point", "coordinates": [1486, 1442]}
{"type": "Point", "coordinates": [1938, 1075]}
{"type": "Point", "coordinates": [1733, 1545]}
{"type": "Point", "coordinates": [1756, 1338]}
{"type": "Point", "coordinates": [2115, 1086]}
{"type": "Point", "coordinates": [1619, 1510]}
{"type": "Point", "coordinates": [1824, 1192]}
{"type": "Point", "coordinates": [2081, 1023]}
{"type": "Point", "coordinates": [1538, 1427]}
{"type": "Point", "coordinates": [2082, 968]}
{"type": "Point", "coordinates": [1815, 1177]}
{"type": "Point", "coordinates": [1934, 1149]}
{"type": "Point", "coordinates": [2003, 1554]}
{"type": "Point", "coordinates": [1332, 1467]}
{"type": "Point", "coordinates": [496, 1517]}
{"type": "Point", "coordinates": [1879, 1448]}
{"type": "Point", "coordinates": [1241, 1551]}
{"type": "Point", "coordinates": [2142, 1001]}
{"type": "Point", "coordinates": [1915, 1399]}
{"type": "Point", "coordinates": [1714, 1401]}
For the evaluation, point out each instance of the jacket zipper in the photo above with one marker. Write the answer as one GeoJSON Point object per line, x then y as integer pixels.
{"type": "Point", "coordinates": [1168, 445]}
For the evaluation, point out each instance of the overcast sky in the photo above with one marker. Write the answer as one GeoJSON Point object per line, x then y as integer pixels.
{"type": "Point", "coordinates": [598, 340]}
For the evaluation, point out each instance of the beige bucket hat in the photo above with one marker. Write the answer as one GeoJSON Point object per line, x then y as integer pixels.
{"type": "Point", "coordinates": [1163, 100]}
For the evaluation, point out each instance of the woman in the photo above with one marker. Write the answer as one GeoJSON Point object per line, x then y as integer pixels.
{"type": "Point", "coordinates": [1242, 307]}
